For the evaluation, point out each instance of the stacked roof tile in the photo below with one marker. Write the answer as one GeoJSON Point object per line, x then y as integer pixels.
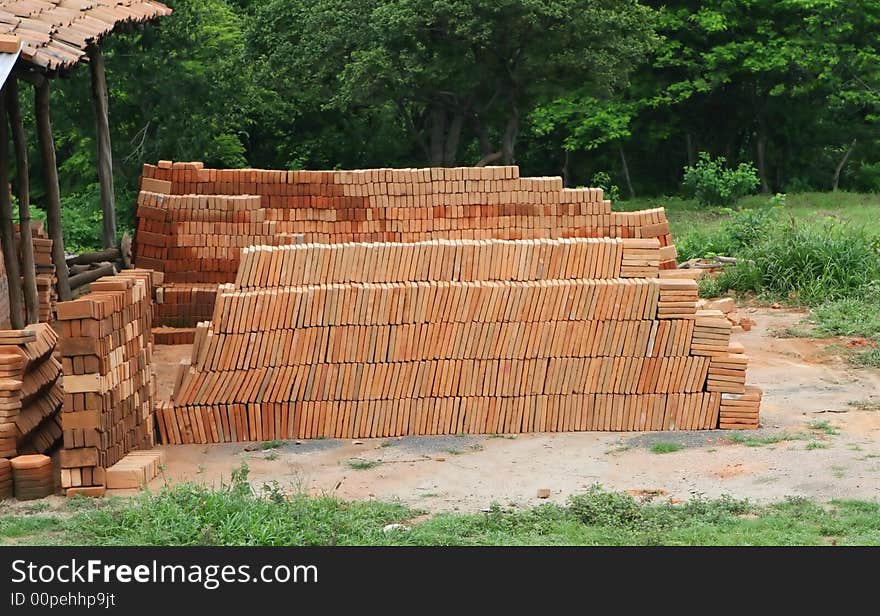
{"type": "Point", "coordinates": [56, 33]}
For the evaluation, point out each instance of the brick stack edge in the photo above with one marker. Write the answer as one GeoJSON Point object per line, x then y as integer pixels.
{"type": "Point", "coordinates": [457, 336]}
{"type": "Point", "coordinates": [30, 395]}
{"type": "Point", "coordinates": [109, 386]}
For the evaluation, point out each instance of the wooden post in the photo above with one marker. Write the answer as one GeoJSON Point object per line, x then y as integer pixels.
{"type": "Point", "coordinates": [100, 101]}
{"type": "Point", "coordinates": [7, 232]}
{"type": "Point", "coordinates": [19, 141]}
{"type": "Point", "coordinates": [53, 192]}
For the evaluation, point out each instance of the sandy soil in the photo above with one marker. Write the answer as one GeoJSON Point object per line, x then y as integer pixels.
{"type": "Point", "coordinates": [803, 381]}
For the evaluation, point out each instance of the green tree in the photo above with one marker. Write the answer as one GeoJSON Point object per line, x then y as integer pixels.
{"type": "Point", "coordinates": [454, 71]}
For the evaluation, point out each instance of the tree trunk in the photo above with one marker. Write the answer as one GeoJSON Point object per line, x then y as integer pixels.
{"type": "Point", "coordinates": [566, 169]}
{"type": "Point", "coordinates": [511, 131]}
{"type": "Point", "coordinates": [453, 135]}
{"type": "Point", "coordinates": [485, 143]}
{"type": "Point", "coordinates": [19, 141]}
{"type": "Point", "coordinates": [50, 181]}
{"type": "Point", "coordinates": [626, 177]}
{"type": "Point", "coordinates": [100, 101]}
{"type": "Point", "coordinates": [487, 160]}
{"type": "Point", "coordinates": [835, 183]}
{"type": "Point", "coordinates": [438, 136]}
{"type": "Point", "coordinates": [7, 231]}
{"type": "Point", "coordinates": [762, 166]}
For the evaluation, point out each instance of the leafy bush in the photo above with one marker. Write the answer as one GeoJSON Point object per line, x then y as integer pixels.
{"type": "Point", "coordinates": [82, 218]}
{"type": "Point", "coordinates": [603, 180]}
{"type": "Point", "coordinates": [807, 264]}
{"type": "Point", "coordinates": [711, 183]}
{"type": "Point", "coordinates": [597, 507]}
{"type": "Point", "coordinates": [867, 177]}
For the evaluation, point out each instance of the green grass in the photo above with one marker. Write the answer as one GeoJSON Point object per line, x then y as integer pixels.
{"type": "Point", "coordinates": [816, 445]}
{"type": "Point", "coordinates": [234, 515]}
{"type": "Point", "coordinates": [686, 216]}
{"type": "Point", "coordinates": [16, 526]}
{"type": "Point", "coordinates": [665, 447]}
{"type": "Point", "coordinates": [271, 445]}
{"type": "Point", "coordinates": [816, 249]}
{"type": "Point", "coordinates": [750, 440]}
{"type": "Point", "coordinates": [363, 465]}
{"type": "Point", "coordinates": [824, 427]}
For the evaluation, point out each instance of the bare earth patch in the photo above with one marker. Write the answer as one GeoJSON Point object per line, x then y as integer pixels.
{"type": "Point", "coordinates": [803, 382]}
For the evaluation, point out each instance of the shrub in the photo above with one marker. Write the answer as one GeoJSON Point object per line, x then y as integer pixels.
{"type": "Point", "coordinates": [603, 180]}
{"type": "Point", "coordinates": [598, 507]}
{"type": "Point", "coordinates": [743, 229]}
{"type": "Point", "coordinates": [806, 264]}
{"type": "Point", "coordinates": [711, 183]}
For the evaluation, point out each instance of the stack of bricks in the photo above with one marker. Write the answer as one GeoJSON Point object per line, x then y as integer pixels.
{"type": "Point", "coordinates": [109, 386]}
{"type": "Point", "coordinates": [30, 390]}
{"type": "Point", "coordinates": [194, 223]}
{"type": "Point", "coordinates": [45, 273]}
{"type": "Point", "coordinates": [45, 269]}
{"type": "Point", "coordinates": [39, 423]}
{"type": "Point", "coordinates": [444, 337]}
{"type": "Point", "coordinates": [740, 411]}
{"type": "Point", "coordinates": [6, 486]}
{"type": "Point", "coordinates": [12, 363]}
{"type": "Point", "coordinates": [33, 476]}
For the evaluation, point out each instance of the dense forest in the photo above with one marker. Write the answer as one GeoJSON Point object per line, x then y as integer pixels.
{"type": "Point", "coordinates": [594, 90]}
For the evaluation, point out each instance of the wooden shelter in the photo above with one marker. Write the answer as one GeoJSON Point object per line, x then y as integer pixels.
{"type": "Point", "coordinates": [54, 37]}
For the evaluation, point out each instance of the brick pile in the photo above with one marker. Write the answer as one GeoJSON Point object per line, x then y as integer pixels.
{"type": "Point", "coordinates": [450, 336]}
{"type": "Point", "coordinates": [194, 223]}
{"type": "Point", "coordinates": [30, 391]}
{"type": "Point", "coordinates": [6, 485]}
{"type": "Point", "coordinates": [45, 269]}
{"type": "Point", "coordinates": [109, 386]}
{"type": "Point", "coordinates": [33, 476]}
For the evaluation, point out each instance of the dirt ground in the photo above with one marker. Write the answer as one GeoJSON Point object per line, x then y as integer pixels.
{"type": "Point", "coordinates": [804, 381]}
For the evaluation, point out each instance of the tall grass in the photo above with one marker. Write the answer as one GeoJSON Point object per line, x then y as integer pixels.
{"type": "Point", "coordinates": [807, 264]}
{"type": "Point", "coordinates": [235, 515]}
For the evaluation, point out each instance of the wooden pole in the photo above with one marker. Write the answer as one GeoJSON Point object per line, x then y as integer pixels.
{"type": "Point", "coordinates": [100, 101]}
{"type": "Point", "coordinates": [53, 192]}
{"type": "Point", "coordinates": [7, 232]}
{"type": "Point", "coordinates": [19, 141]}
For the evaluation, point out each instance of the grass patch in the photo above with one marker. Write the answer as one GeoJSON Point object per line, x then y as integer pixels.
{"type": "Point", "coordinates": [363, 465]}
{"type": "Point", "coordinates": [811, 249]}
{"type": "Point", "coordinates": [271, 445]}
{"type": "Point", "coordinates": [871, 404]}
{"type": "Point", "coordinates": [751, 440]}
{"type": "Point", "coordinates": [816, 445]}
{"type": "Point", "coordinates": [271, 456]}
{"type": "Point", "coordinates": [16, 526]}
{"type": "Point", "coordinates": [236, 515]}
{"type": "Point", "coordinates": [665, 447]}
{"type": "Point", "coordinates": [823, 426]}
